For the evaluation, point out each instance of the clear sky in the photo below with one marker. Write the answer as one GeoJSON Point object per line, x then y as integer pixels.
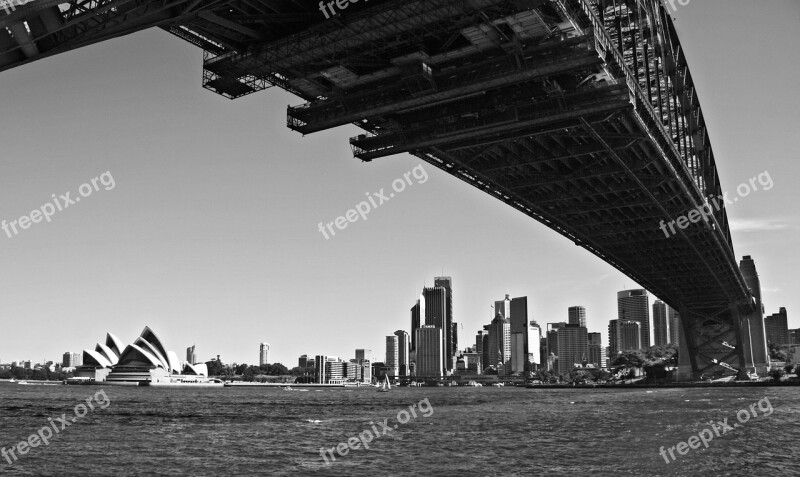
{"type": "Point", "coordinates": [210, 237]}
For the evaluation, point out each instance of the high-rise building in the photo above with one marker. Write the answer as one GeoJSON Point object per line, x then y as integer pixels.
{"type": "Point", "coordinates": [777, 328]}
{"type": "Point", "coordinates": [552, 337]}
{"type": "Point", "coordinates": [392, 361]}
{"type": "Point", "coordinates": [613, 333]}
{"type": "Point", "coordinates": [430, 353]}
{"type": "Point", "coordinates": [436, 315]}
{"type": "Point", "coordinates": [794, 336]}
{"type": "Point", "coordinates": [543, 354]}
{"type": "Point", "coordinates": [416, 314]}
{"type": "Point", "coordinates": [485, 348]}
{"type": "Point", "coordinates": [363, 354]}
{"type": "Point", "coordinates": [595, 347]}
{"type": "Point", "coordinates": [302, 362]}
{"type": "Point", "coordinates": [503, 307]}
{"type": "Point", "coordinates": [660, 333]}
{"type": "Point", "coordinates": [191, 355]}
{"type": "Point", "coordinates": [533, 341]}
{"type": "Point", "coordinates": [319, 369]}
{"type": "Point", "coordinates": [572, 347]}
{"type": "Point", "coordinates": [629, 335]}
{"type": "Point", "coordinates": [675, 331]}
{"type": "Point", "coordinates": [499, 343]}
{"type": "Point", "coordinates": [634, 305]}
{"type": "Point", "coordinates": [451, 335]}
{"type": "Point", "coordinates": [479, 342]}
{"type": "Point", "coordinates": [518, 356]}
{"type": "Point", "coordinates": [403, 352]}
{"type": "Point", "coordinates": [72, 360]}
{"type": "Point", "coordinates": [518, 310]}
{"type": "Point", "coordinates": [577, 315]}
{"type": "Point", "coordinates": [263, 354]}
{"type": "Point", "coordinates": [753, 333]}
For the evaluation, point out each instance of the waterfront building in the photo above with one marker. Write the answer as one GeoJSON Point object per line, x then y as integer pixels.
{"type": "Point", "coordinates": [777, 328]}
{"type": "Point", "coordinates": [71, 360]}
{"type": "Point", "coordinates": [363, 354]}
{"type": "Point", "coordinates": [552, 337]}
{"type": "Point", "coordinates": [436, 315]}
{"type": "Point", "coordinates": [302, 362]}
{"type": "Point", "coordinates": [532, 342]}
{"type": "Point", "coordinates": [572, 347]}
{"type": "Point", "coordinates": [403, 352]}
{"type": "Point", "coordinates": [417, 313]}
{"type": "Point", "coordinates": [794, 336]}
{"type": "Point", "coordinates": [263, 354]}
{"type": "Point", "coordinates": [613, 346]}
{"type": "Point", "coordinates": [595, 348]}
{"type": "Point", "coordinates": [191, 355]}
{"type": "Point", "coordinates": [629, 333]}
{"type": "Point", "coordinates": [634, 305]}
{"type": "Point", "coordinates": [485, 347]}
{"type": "Point", "coordinates": [518, 356]}
{"type": "Point", "coordinates": [660, 332]}
{"type": "Point", "coordinates": [430, 360]}
{"type": "Point", "coordinates": [577, 315]}
{"type": "Point", "coordinates": [392, 361]}
{"type": "Point", "coordinates": [448, 325]}
{"type": "Point", "coordinates": [675, 331]}
{"type": "Point", "coordinates": [499, 352]}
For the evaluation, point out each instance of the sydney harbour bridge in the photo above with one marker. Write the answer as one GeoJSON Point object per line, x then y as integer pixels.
{"type": "Point", "coordinates": [581, 114]}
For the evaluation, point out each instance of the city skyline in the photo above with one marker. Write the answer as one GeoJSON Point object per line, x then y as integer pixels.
{"type": "Point", "coordinates": [157, 251]}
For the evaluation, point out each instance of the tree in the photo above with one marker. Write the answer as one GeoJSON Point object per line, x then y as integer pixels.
{"type": "Point", "coordinates": [215, 368]}
{"type": "Point", "coordinates": [776, 352]}
{"type": "Point", "coordinates": [776, 375]}
{"type": "Point", "coordinates": [630, 359]}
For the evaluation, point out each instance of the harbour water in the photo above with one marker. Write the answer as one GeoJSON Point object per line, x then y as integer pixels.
{"type": "Point", "coordinates": [462, 431]}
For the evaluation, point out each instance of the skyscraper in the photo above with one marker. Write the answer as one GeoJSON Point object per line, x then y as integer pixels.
{"type": "Point", "coordinates": [518, 314]}
{"type": "Point", "coordinates": [572, 347]}
{"type": "Point", "coordinates": [450, 334]}
{"type": "Point", "coordinates": [753, 332]}
{"type": "Point", "coordinates": [777, 328]}
{"type": "Point", "coordinates": [392, 361]}
{"type": "Point", "coordinates": [533, 341]}
{"type": "Point", "coordinates": [403, 352]}
{"type": "Point", "coordinates": [435, 299]}
{"type": "Point", "coordinates": [485, 348]}
{"type": "Point", "coordinates": [263, 354]}
{"type": "Point", "coordinates": [660, 334]}
{"type": "Point", "coordinates": [675, 331]}
{"type": "Point", "coordinates": [613, 334]}
{"type": "Point", "coordinates": [499, 352]}
{"type": "Point", "coordinates": [191, 355]}
{"type": "Point", "coordinates": [595, 347]}
{"type": "Point", "coordinates": [634, 305]}
{"type": "Point", "coordinates": [577, 315]}
{"type": "Point", "coordinates": [416, 313]}
{"type": "Point", "coordinates": [430, 354]}
{"type": "Point", "coordinates": [629, 335]}
{"type": "Point", "coordinates": [552, 337]}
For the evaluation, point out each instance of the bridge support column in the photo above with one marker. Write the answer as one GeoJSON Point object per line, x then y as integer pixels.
{"type": "Point", "coordinates": [753, 340]}
{"type": "Point", "coordinates": [711, 345]}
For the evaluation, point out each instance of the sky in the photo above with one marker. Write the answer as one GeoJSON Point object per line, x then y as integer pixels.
{"type": "Point", "coordinates": [210, 235]}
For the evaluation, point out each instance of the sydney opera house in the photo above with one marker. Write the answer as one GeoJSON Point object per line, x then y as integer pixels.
{"type": "Point", "coordinates": [144, 362]}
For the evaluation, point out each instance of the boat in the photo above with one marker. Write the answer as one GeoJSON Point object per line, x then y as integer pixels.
{"type": "Point", "coordinates": [386, 386]}
{"type": "Point", "coordinates": [288, 388]}
{"type": "Point", "coordinates": [499, 385]}
{"type": "Point", "coordinates": [474, 383]}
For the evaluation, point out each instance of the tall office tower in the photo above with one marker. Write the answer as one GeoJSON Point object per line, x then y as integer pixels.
{"type": "Point", "coordinates": [479, 342]}
{"type": "Point", "coordinates": [613, 346]}
{"type": "Point", "coordinates": [430, 352]}
{"type": "Point", "coordinates": [533, 340]}
{"type": "Point", "coordinates": [543, 353]}
{"type": "Point", "coordinates": [485, 348]}
{"type": "Point", "coordinates": [753, 333]}
{"type": "Point", "coordinates": [403, 352]}
{"type": "Point", "coordinates": [572, 347]}
{"type": "Point", "coordinates": [660, 333]}
{"type": "Point", "coordinates": [191, 355]}
{"type": "Point", "coordinates": [519, 314]}
{"type": "Point", "coordinates": [436, 315]}
{"type": "Point", "coordinates": [416, 314]}
{"type": "Point", "coordinates": [334, 371]}
{"type": "Point", "coordinates": [503, 307]}
{"type": "Point", "coordinates": [777, 328]}
{"type": "Point", "coordinates": [577, 315]}
{"type": "Point", "coordinates": [451, 338]}
{"type": "Point", "coordinates": [675, 331]}
{"type": "Point", "coordinates": [595, 347]}
{"type": "Point", "coordinates": [363, 354]}
{"type": "Point", "coordinates": [72, 360]}
{"type": "Point", "coordinates": [634, 305]}
{"type": "Point", "coordinates": [302, 361]}
{"type": "Point", "coordinates": [794, 336]}
{"type": "Point", "coordinates": [392, 360]}
{"type": "Point", "coordinates": [552, 337]}
{"type": "Point", "coordinates": [518, 356]}
{"type": "Point", "coordinates": [499, 342]}
{"type": "Point", "coordinates": [629, 335]}
{"type": "Point", "coordinates": [319, 369]}
{"type": "Point", "coordinates": [263, 354]}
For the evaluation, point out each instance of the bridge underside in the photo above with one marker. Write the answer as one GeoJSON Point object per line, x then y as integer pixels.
{"type": "Point", "coordinates": [580, 114]}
